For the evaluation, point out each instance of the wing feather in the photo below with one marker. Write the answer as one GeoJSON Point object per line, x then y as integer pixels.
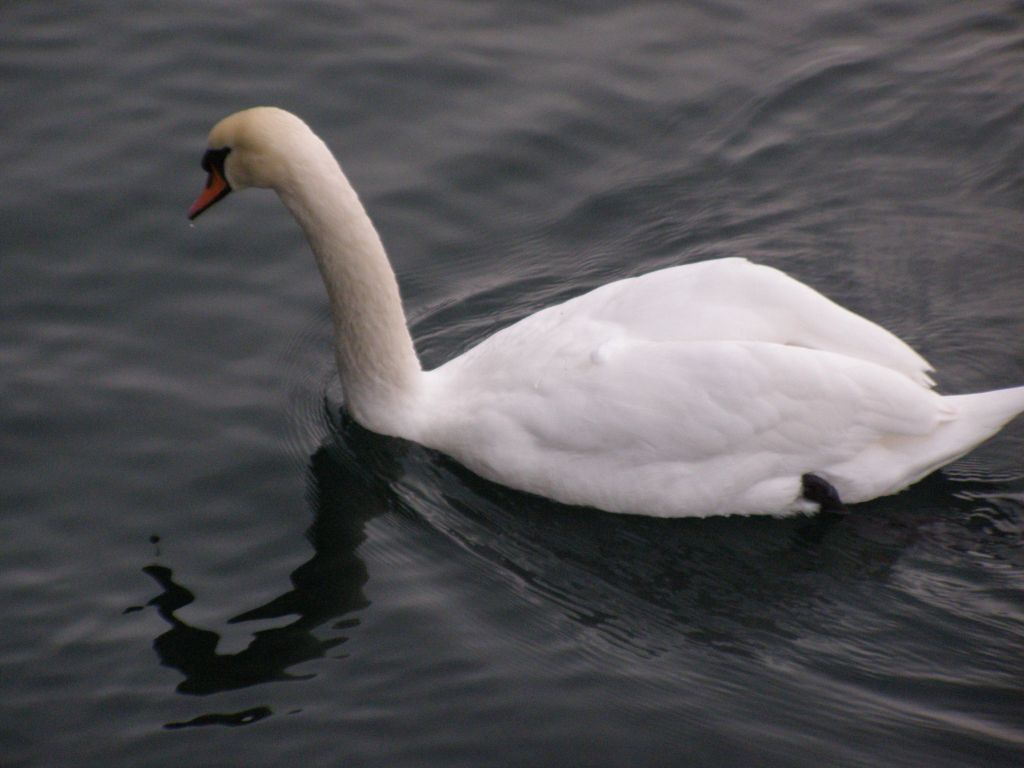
{"type": "Point", "coordinates": [666, 427]}
{"type": "Point", "coordinates": [733, 299]}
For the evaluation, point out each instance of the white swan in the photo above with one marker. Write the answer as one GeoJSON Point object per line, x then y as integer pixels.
{"type": "Point", "coordinates": [720, 387]}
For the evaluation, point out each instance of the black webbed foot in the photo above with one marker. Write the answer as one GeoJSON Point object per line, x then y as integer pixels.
{"type": "Point", "coordinates": [819, 490]}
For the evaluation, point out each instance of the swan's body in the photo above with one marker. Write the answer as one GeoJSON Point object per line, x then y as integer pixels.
{"type": "Point", "coordinates": [711, 388]}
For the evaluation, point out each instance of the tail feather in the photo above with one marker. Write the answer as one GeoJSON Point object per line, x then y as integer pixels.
{"type": "Point", "coordinates": [987, 412]}
{"type": "Point", "coordinates": [973, 420]}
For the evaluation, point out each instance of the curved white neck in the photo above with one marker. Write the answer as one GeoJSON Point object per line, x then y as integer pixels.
{"type": "Point", "coordinates": [380, 372]}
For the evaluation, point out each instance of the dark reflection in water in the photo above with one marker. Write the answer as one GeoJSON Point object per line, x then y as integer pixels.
{"type": "Point", "coordinates": [325, 589]}
{"type": "Point", "coordinates": [232, 719]}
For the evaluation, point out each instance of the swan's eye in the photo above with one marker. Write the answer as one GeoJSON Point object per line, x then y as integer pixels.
{"type": "Point", "coordinates": [214, 158]}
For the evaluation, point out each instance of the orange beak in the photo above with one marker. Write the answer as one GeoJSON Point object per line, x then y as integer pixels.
{"type": "Point", "coordinates": [217, 187]}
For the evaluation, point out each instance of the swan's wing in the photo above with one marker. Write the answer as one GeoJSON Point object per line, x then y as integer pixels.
{"type": "Point", "coordinates": [733, 299]}
{"type": "Point", "coordinates": [670, 428]}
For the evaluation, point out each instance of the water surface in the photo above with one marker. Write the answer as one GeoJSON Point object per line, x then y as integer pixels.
{"type": "Point", "coordinates": [205, 562]}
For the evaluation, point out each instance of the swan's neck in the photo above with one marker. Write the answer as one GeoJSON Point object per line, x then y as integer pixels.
{"type": "Point", "coordinates": [380, 373]}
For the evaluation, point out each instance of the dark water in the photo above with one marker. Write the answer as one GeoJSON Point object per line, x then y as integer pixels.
{"type": "Point", "coordinates": [202, 562]}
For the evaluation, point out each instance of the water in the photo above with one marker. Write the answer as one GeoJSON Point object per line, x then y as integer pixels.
{"type": "Point", "coordinates": [205, 563]}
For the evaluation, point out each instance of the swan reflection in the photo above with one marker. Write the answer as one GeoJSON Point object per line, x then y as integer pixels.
{"type": "Point", "coordinates": [326, 590]}
{"type": "Point", "coordinates": [640, 586]}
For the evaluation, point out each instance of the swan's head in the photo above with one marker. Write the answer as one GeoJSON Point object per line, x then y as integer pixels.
{"type": "Point", "coordinates": [252, 148]}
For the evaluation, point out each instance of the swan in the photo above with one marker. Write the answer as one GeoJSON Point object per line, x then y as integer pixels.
{"type": "Point", "coordinates": [719, 387]}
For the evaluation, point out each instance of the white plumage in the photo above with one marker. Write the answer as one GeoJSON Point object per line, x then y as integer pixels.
{"type": "Point", "coordinates": [710, 388]}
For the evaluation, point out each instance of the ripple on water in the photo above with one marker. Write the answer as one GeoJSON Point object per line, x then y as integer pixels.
{"type": "Point", "coordinates": [349, 598]}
